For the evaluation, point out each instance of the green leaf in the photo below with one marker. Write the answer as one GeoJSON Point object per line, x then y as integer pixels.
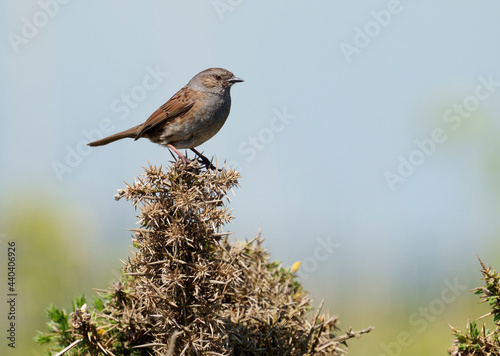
{"type": "Point", "coordinates": [79, 301]}
{"type": "Point", "coordinates": [58, 316]}
{"type": "Point", "coordinates": [98, 303]}
{"type": "Point", "coordinates": [42, 339]}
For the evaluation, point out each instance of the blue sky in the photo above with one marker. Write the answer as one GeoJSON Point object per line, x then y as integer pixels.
{"type": "Point", "coordinates": [337, 96]}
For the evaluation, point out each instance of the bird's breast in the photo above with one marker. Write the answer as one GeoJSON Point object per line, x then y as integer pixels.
{"type": "Point", "coordinates": [199, 124]}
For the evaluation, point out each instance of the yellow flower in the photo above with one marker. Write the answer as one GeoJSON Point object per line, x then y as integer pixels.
{"type": "Point", "coordinates": [296, 266]}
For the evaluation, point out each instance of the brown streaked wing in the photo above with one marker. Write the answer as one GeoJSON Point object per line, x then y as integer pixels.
{"type": "Point", "coordinates": [177, 105]}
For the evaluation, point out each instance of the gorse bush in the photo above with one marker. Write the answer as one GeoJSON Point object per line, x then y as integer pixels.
{"type": "Point", "coordinates": [187, 289]}
{"type": "Point", "coordinates": [481, 342]}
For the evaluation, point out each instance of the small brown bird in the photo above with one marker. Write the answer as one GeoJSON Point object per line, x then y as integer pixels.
{"type": "Point", "coordinates": [190, 117]}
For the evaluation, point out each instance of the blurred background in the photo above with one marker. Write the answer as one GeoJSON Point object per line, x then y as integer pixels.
{"type": "Point", "coordinates": [366, 134]}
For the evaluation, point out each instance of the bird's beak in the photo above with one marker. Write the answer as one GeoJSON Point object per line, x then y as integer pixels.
{"type": "Point", "coordinates": [235, 80]}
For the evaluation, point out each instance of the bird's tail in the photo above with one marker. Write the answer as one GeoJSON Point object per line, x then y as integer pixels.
{"type": "Point", "coordinates": [132, 133]}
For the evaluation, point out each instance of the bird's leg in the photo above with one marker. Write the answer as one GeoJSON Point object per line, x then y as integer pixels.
{"type": "Point", "coordinates": [204, 159]}
{"type": "Point", "coordinates": [181, 156]}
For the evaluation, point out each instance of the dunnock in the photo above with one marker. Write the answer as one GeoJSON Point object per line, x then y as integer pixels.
{"type": "Point", "coordinates": [190, 117]}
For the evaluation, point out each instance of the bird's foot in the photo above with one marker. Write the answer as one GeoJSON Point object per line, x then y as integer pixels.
{"type": "Point", "coordinates": [204, 160]}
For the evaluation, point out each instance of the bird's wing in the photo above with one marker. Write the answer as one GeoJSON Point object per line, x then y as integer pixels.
{"type": "Point", "coordinates": [177, 105]}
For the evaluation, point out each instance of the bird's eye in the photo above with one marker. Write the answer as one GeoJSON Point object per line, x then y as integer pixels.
{"type": "Point", "coordinates": [218, 77]}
